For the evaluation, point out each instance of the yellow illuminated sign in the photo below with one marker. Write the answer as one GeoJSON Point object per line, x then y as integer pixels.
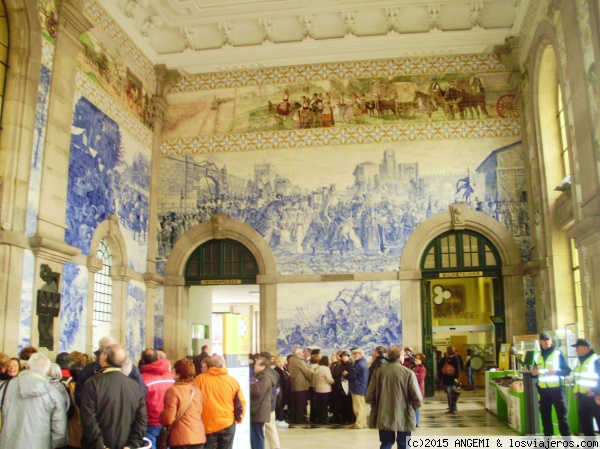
{"type": "Point", "coordinates": [461, 274]}
{"type": "Point", "coordinates": [221, 282]}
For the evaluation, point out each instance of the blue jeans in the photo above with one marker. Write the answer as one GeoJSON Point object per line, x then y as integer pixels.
{"type": "Point", "coordinates": [387, 438]}
{"type": "Point", "coordinates": [418, 415]}
{"type": "Point", "coordinates": [152, 433]}
{"type": "Point", "coordinates": [257, 435]}
{"type": "Point", "coordinates": [451, 398]}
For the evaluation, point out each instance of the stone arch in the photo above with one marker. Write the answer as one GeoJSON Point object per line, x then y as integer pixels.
{"type": "Point", "coordinates": [120, 274]}
{"type": "Point", "coordinates": [110, 231]}
{"type": "Point", "coordinates": [459, 217]}
{"type": "Point", "coordinates": [176, 307]}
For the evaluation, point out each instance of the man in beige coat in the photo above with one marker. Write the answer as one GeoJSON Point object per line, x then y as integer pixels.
{"type": "Point", "coordinates": [395, 395]}
{"type": "Point", "coordinates": [300, 382]}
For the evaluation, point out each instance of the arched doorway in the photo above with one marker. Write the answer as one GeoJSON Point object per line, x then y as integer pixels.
{"type": "Point", "coordinates": [461, 291]}
{"type": "Point", "coordinates": [412, 285]}
{"type": "Point", "coordinates": [187, 262]}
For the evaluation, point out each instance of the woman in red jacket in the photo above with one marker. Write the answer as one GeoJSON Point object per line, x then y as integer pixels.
{"type": "Point", "coordinates": [420, 371]}
{"type": "Point", "coordinates": [188, 431]}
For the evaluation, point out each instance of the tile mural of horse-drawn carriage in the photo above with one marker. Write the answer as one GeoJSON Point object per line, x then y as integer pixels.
{"type": "Point", "coordinates": [340, 103]}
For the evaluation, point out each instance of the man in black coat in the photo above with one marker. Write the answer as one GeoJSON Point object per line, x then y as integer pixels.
{"type": "Point", "coordinates": [378, 360]}
{"type": "Point", "coordinates": [91, 369]}
{"type": "Point", "coordinates": [113, 406]}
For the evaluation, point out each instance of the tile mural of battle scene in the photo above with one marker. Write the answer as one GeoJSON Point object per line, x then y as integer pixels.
{"type": "Point", "coordinates": [336, 315]}
{"type": "Point", "coordinates": [73, 310]}
{"type": "Point", "coordinates": [339, 103]}
{"type": "Point", "coordinates": [347, 208]}
{"type": "Point", "coordinates": [109, 174]}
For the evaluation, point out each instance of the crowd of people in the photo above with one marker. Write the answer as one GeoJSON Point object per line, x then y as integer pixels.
{"type": "Point", "coordinates": [110, 402]}
{"type": "Point", "coordinates": [313, 388]}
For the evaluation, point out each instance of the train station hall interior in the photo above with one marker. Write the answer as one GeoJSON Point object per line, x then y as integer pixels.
{"type": "Point", "coordinates": [259, 175]}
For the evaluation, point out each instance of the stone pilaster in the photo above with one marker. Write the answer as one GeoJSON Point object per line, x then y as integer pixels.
{"type": "Point", "coordinates": [55, 166]}
{"type": "Point", "coordinates": [152, 281]}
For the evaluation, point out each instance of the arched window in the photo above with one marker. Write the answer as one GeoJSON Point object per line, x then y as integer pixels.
{"type": "Point", "coordinates": [555, 165]}
{"type": "Point", "coordinates": [460, 251]}
{"type": "Point", "coordinates": [102, 294]}
{"type": "Point", "coordinates": [3, 53]}
{"type": "Point", "coordinates": [223, 260]}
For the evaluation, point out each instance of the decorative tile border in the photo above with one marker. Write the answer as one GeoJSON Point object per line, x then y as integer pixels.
{"type": "Point", "coordinates": [425, 65]}
{"type": "Point", "coordinates": [125, 44]}
{"type": "Point", "coordinates": [462, 129]}
{"type": "Point", "coordinates": [112, 108]}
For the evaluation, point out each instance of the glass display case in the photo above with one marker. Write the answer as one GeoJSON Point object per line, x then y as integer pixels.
{"type": "Point", "coordinates": [524, 348]}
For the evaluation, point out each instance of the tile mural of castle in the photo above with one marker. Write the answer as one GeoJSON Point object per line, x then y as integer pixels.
{"type": "Point", "coordinates": [351, 209]}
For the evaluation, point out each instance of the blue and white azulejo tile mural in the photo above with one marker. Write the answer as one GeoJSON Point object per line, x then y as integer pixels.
{"type": "Point", "coordinates": [73, 308]}
{"type": "Point", "coordinates": [136, 319]}
{"type": "Point", "coordinates": [159, 316]}
{"type": "Point", "coordinates": [39, 138]}
{"type": "Point", "coordinates": [342, 209]}
{"type": "Point", "coordinates": [26, 299]}
{"type": "Point", "coordinates": [338, 315]}
{"type": "Point", "coordinates": [109, 174]}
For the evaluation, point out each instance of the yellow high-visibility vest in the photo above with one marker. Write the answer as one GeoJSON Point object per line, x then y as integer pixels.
{"type": "Point", "coordinates": [551, 363]}
{"type": "Point", "coordinates": [586, 377]}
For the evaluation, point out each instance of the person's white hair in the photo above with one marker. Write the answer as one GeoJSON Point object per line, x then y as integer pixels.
{"type": "Point", "coordinates": [104, 342]}
{"type": "Point", "coordinates": [127, 366]}
{"type": "Point", "coordinates": [39, 363]}
{"type": "Point", "coordinates": [55, 372]}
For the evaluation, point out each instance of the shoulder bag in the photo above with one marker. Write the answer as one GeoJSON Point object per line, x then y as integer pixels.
{"type": "Point", "coordinates": [448, 369]}
{"type": "Point", "coordinates": [162, 442]}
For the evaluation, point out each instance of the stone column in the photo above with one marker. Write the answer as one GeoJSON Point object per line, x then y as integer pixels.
{"type": "Point", "coordinates": [118, 327]}
{"type": "Point", "coordinates": [48, 243]}
{"type": "Point", "coordinates": [411, 312]}
{"type": "Point", "coordinates": [176, 330]}
{"type": "Point", "coordinates": [587, 238]}
{"type": "Point", "coordinates": [94, 265]}
{"type": "Point", "coordinates": [55, 166]}
{"type": "Point", "coordinates": [514, 310]}
{"type": "Point", "coordinates": [151, 281]}
{"type": "Point", "coordinates": [164, 79]}
{"type": "Point", "coordinates": [268, 313]}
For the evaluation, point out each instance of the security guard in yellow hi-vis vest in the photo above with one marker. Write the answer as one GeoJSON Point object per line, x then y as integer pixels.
{"type": "Point", "coordinates": [587, 386]}
{"type": "Point", "coordinates": [551, 368]}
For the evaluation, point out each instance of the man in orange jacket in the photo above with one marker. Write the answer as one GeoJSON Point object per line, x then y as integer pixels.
{"type": "Point", "coordinates": [223, 404]}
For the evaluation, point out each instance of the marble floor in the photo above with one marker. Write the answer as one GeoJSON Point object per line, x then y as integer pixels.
{"type": "Point", "coordinates": [472, 420]}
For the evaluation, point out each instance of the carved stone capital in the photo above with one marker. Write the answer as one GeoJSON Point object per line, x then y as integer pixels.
{"type": "Point", "coordinates": [152, 280]}
{"type": "Point", "coordinates": [94, 265]}
{"type": "Point", "coordinates": [53, 250]}
{"type": "Point", "coordinates": [71, 17]}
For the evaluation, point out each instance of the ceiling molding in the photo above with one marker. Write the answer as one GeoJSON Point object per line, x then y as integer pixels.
{"type": "Point", "coordinates": [201, 36]}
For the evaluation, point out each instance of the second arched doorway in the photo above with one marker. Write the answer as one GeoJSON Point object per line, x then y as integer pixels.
{"type": "Point", "coordinates": [185, 261]}
{"type": "Point", "coordinates": [473, 260]}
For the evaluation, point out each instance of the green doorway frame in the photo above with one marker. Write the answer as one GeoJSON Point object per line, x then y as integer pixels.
{"type": "Point", "coordinates": [459, 254]}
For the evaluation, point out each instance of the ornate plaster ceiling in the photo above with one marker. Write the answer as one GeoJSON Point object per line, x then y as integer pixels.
{"type": "Point", "coordinates": [196, 36]}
